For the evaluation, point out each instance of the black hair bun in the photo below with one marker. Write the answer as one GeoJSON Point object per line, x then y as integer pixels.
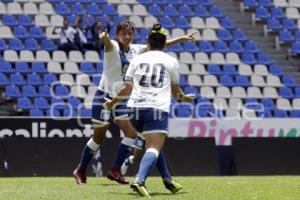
{"type": "Point", "coordinates": [156, 27]}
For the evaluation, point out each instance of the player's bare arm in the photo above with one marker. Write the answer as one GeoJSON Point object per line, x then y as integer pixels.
{"type": "Point", "coordinates": [179, 95]}
{"type": "Point", "coordinates": [180, 39]}
{"type": "Point", "coordinates": [124, 92]}
{"type": "Point", "coordinates": [108, 46]}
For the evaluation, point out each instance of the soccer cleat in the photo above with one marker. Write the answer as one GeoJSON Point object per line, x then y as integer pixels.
{"type": "Point", "coordinates": [172, 185]}
{"type": "Point", "coordinates": [116, 175]}
{"type": "Point", "coordinates": [140, 189]}
{"type": "Point", "coordinates": [79, 176]}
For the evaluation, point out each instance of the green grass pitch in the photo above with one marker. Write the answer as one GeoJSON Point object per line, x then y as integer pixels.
{"type": "Point", "coordinates": [198, 188]}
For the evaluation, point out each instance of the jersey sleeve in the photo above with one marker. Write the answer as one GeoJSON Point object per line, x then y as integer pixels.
{"type": "Point", "coordinates": [130, 71]}
{"type": "Point", "coordinates": [175, 73]}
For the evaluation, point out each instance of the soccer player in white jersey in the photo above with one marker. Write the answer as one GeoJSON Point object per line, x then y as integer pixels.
{"type": "Point", "coordinates": [150, 79]}
{"type": "Point", "coordinates": [117, 55]}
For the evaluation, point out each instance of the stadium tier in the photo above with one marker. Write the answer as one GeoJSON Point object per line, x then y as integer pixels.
{"type": "Point", "coordinates": [227, 70]}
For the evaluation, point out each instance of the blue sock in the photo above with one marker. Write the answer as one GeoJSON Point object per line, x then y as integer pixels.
{"type": "Point", "coordinates": [162, 166]}
{"type": "Point", "coordinates": [123, 152]}
{"type": "Point", "coordinates": [87, 154]}
{"type": "Point", "coordinates": [146, 164]}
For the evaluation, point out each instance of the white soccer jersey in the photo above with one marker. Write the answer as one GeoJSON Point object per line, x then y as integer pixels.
{"type": "Point", "coordinates": [113, 72]}
{"type": "Point", "coordinates": [152, 73]}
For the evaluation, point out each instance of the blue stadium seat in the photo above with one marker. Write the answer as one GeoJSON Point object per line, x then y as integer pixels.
{"type": "Point", "coordinates": [17, 79]}
{"type": "Point", "coordinates": [3, 80]}
{"type": "Point", "coordinates": [85, 1]}
{"type": "Point", "coordinates": [174, 2]}
{"type": "Point", "coordinates": [155, 10]}
{"type": "Point", "coordinates": [12, 91]}
{"type": "Point", "coordinates": [6, 67]}
{"type": "Point", "coordinates": [100, 1]}
{"type": "Point", "coordinates": [262, 13]}
{"type": "Point", "coordinates": [85, 112]}
{"type": "Point", "coordinates": [266, 3]}
{"type": "Point", "coordinates": [190, 90]}
{"type": "Point", "coordinates": [227, 23]}
{"type": "Point", "coordinates": [297, 92]}
{"type": "Point", "coordinates": [227, 80]}
{"type": "Point", "coordinates": [21, 32]}
{"type": "Point", "coordinates": [274, 24]}
{"type": "Point", "coordinates": [183, 111]}
{"type": "Point", "coordinates": [181, 22]}
{"type": "Point", "coordinates": [221, 46]}
{"type": "Point", "coordinates": [145, 2]}
{"type": "Point", "coordinates": [289, 24]}
{"type": "Point", "coordinates": [25, 20]}
{"type": "Point", "coordinates": [87, 68]}
{"type": "Point", "coordinates": [69, 112]}
{"type": "Point", "coordinates": [93, 9]}
{"type": "Point", "coordinates": [9, 20]}
{"type": "Point", "coordinates": [230, 70]}
{"type": "Point", "coordinates": [48, 45]}
{"type": "Point", "coordinates": [295, 113]}
{"type": "Point", "coordinates": [277, 13]}
{"type": "Point", "coordinates": [286, 92]}
{"type": "Point", "coordinates": [297, 35]}
{"type": "Point", "coordinates": [236, 47]}
{"type": "Point", "coordinates": [167, 22]}
{"type": "Point", "coordinates": [74, 102]}
{"type": "Point", "coordinates": [62, 90]}
{"type": "Point", "coordinates": [206, 3]}
{"type": "Point", "coordinates": [2, 45]}
{"type": "Point", "coordinates": [175, 48]}
{"type": "Point", "coordinates": [170, 10]}
{"type": "Point", "coordinates": [53, 113]}
{"type": "Point", "coordinates": [205, 46]}
{"type": "Point", "coordinates": [15, 44]}
{"type": "Point", "coordinates": [62, 9]}
{"type": "Point", "coordinates": [186, 11]}
{"type": "Point", "coordinates": [41, 103]}
{"type": "Point", "coordinates": [109, 9]}
{"type": "Point", "coordinates": [275, 69]}
{"type": "Point", "coordinates": [242, 81]}
{"type": "Point", "coordinates": [36, 32]}
{"type": "Point", "coordinates": [44, 91]}
{"type": "Point", "coordinates": [99, 67]}
{"type": "Point", "coordinates": [289, 81]}
{"type": "Point", "coordinates": [268, 103]}
{"type": "Point", "coordinates": [49, 78]}
{"type": "Point", "coordinates": [280, 113]}
{"type": "Point", "coordinates": [38, 67]}
{"type": "Point", "coordinates": [71, 19]}
{"type": "Point", "coordinates": [249, 58]}
{"type": "Point", "coordinates": [22, 67]}
{"type": "Point", "coordinates": [296, 47]}
{"type": "Point", "coordinates": [29, 91]}
{"type": "Point", "coordinates": [224, 35]}
{"type": "Point", "coordinates": [251, 47]}
{"type": "Point", "coordinates": [77, 9]}
{"type": "Point", "coordinates": [34, 79]}
{"type": "Point", "coordinates": [24, 103]}
{"type": "Point", "coordinates": [264, 58]}
{"type": "Point", "coordinates": [96, 80]}
{"type": "Point", "coordinates": [190, 47]}
{"type": "Point", "coordinates": [239, 35]}
{"type": "Point", "coordinates": [216, 12]}
{"type": "Point", "coordinates": [36, 113]}
{"type": "Point", "coordinates": [214, 69]}
{"type": "Point", "coordinates": [58, 104]}
{"type": "Point", "coordinates": [160, 2]}
{"type": "Point", "coordinates": [286, 36]}
{"type": "Point", "coordinates": [201, 11]}
{"type": "Point", "coordinates": [252, 103]}
{"type": "Point", "coordinates": [264, 114]}
{"type": "Point", "coordinates": [31, 44]}
{"type": "Point", "coordinates": [250, 4]}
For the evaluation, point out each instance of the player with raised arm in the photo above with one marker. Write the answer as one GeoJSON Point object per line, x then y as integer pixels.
{"type": "Point", "coordinates": [117, 55]}
{"type": "Point", "coordinates": [150, 80]}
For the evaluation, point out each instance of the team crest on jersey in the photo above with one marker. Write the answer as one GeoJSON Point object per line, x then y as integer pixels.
{"type": "Point", "coordinates": [105, 114]}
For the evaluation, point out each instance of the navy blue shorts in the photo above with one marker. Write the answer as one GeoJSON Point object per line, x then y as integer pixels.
{"type": "Point", "coordinates": [149, 120]}
{"type": "Point", "coordinates": [101, 115]}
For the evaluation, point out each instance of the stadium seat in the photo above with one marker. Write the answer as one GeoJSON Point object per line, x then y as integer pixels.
{"type": "Point", "coordinates": [17, 79]}
{"type": "Point", "coordinates": [22, 67]}
{"type": "Point", "coordinates": [4, 80]}
{"type": "Point", "coordinates": [29, 91]}
{"type": "Point", "coordinates": [24, 103]}
{"type": "Point", "coordinates": [50, 78]}
{"type": "Point", "coordinates": [31, 44]}
{"type": "Point", "coordinates": [41, 103]}
{"type": "Point", "coordinates": [36, 113]}
{"type": "Point", "coordinates": [44, 91]}
{"type": "Point", "coordinates": [34, 79]}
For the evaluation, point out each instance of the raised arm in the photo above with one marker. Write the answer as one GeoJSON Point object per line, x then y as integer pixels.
{"type": "Point", "coordinates": [179, 39]}
{"type": "Point", "coordinates": [108, 45]}
{"type": "Point", "coordinates": [179, 95]}
{"type": "Point", "coordinates": [123, 93]}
